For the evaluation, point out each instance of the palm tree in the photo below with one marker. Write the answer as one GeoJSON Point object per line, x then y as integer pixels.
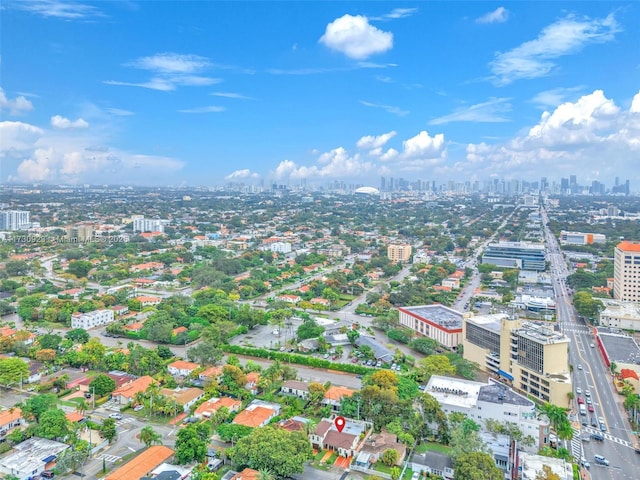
{"type": "Point", "coordinates": [265, 474]}
{"type": "Point", "coordinates": [81, 406]}
{"type": "Point", "coordinates": [149, 436]}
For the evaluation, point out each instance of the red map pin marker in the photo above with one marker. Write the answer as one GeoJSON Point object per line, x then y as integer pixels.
{"type": "Point", "coordinates": [340, 422]}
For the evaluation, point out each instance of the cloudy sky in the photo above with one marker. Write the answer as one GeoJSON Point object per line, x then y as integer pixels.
{"type": "Point", "coordinates": [203, 93]}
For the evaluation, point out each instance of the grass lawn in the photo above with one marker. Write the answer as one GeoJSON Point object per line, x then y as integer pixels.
{"type": "Point", "coordinates": [433, 447]}
{"type": "Point", "coordinates": [319, 455]}
{"type": "Point", "coordinates": [407, 474]}
{"type": "Point", "coordinates": [332, 459]}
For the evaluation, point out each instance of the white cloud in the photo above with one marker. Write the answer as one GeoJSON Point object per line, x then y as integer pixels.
{"type": "Point", "coordinates": [635, 103]}
{"type": "Point", "coordinates": [396, 13]}
{"type": "Point", "coordinates": [499, 15]}
{"type": "Point", "coordinates": [356, 38]}
{"type": "Point", "coordinates": [245, 173]}
{"type": "Point", "coordinates": [58, 121]}
{"type": "Point", "coordinates": [209, 109]}
{"type": "Point", "coordinates": [555, 96]}
{"type": "Point", "coordinates": [17, 137]}
{"type": "Point", "coordinates": [170, 71]}
{"type": "Point", "coordinates": [389, 108]}
{"type": "Point", "coordinates": [321, 70]}
{"type": "Point", "coordinates": [491, 111]}
{"type": "Point", "coordinates": [371, 141]}
{"type": "Point", "coordinates": [424, 146]}
{"type": "Point", "coordinates": [567, 36]}
{"type": "Point", "coordinates": [120, 112]}
{"type": "Point", "coordinates": [231, 95]}
{"type": "Point", "coordinates": [17, 106]}
{"type": "Point", "coordinates": [58, 9]}
{"type": "Point", "coordinates": [588, 135]}
{"type": "Point", "coordinates": [171, 63]}
{"type": "Point", "coordinates": [33, 154]}
{"type": "Point", "coordinates": [419, 154]}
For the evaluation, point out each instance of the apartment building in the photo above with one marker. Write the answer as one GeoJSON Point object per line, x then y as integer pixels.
{"type": "Point", "coordinates": [91, 319]}
{"type": "Point", "coordinates": [142, 224]}
{"type": "Point", "coordinates": [14, 220]}
{"type": "Point", "coordinates": [579, 238]}
{"type": "Point", "coordinates": [626, 272]}
{"type": "Point", "coordinates": [624, 315]}
{"type": "Point", "coordinates": [399, 253]}
{"type": "Point", "coordinates": [532, 357]}
{"type": "Point", "coordinates": [490, 401]}
{"type": "Point", "coordinates": [522, 255]}
{"type": "Point", "coordinates": [438, 322]}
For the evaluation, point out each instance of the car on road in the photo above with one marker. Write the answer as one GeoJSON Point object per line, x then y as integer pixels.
{"type": "Point", "coordinates": [591, 409]}
{"type": "Point", "coordinates": [579, 366]}
{"type": "Point", "coordinates": [580, 400]}
{"type": "Point", "coordinates": [578, 390]}
{"type": "Point", "coordinates": [594, 422]}
{"type": "Point", "coordinates": [584, 421]}
{"type": "Point", "coordinates": [601, 460]}
{"type": "Point", "coordinates": [587, 393]}
{"type": "Point", "coordinates": [598, 436]}
{"type": "Point", "coordinates": [589, 401]}
{"type": "Point", "coordinates": [592, 345]}
{"type": "Point", "coordinates": [116, 416]}
{"type": "Point", "coordinates": [603, 427]}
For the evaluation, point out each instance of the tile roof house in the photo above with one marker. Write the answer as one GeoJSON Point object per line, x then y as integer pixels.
{"type": "Point", "coordinates": [257, 414]}
{"type": "Point", "coordinates": [211, 406]}
{"type": "Point", "coordinates": [147, 301]}
{"type": "Point", "coordinates": [126, 393]}
{"type": "Point", "coordinates": [210, 373]}
{"type": "Point", "coordinates": [246, 474]}
{"type": "Point", "coordinates": [296, 388]}
{"type": "Point", "coordinates": [185, 397]}
{"type": "Point", "coordinates": [334, 395]}
{"type": "Point", "coordinates": [141, 465]}
{"type": "Point", "coordinates": [31, 457]}
{"type": "Point", "coordinates": [252, 382]}
{"type": "Point", "coordinates": [375, 445]}
{"type": "Point", "coordinates": [346, 443]}
{"type": "Point", "coordinates": [182, 368]}
{"type": "Point", "coordinates": [10, 419]}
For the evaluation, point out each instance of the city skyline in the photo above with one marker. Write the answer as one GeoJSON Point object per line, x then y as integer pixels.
{"type": "Point", "coordinates": [207, 93]}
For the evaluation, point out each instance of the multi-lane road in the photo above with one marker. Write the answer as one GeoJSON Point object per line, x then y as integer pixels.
{"type": "Point", "coordinates": [591, 374]}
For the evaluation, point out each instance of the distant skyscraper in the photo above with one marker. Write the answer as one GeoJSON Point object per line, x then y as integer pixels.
{"type": "Point", "coordinates": [383, 184]}
{"type": "Point", "coordinates": [14, 219]}
{"type": "Point", "coordinates": [564, 184]}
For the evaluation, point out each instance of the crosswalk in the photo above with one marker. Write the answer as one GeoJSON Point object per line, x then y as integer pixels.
{"type": "Point", "coordinates": [109, 458]}
{"type": "Point", "coordinates": [576, 445]}
{"type": "Point", "coordinates": [610, 437]}
{"type": "Point", "coordinates": [124, 421]}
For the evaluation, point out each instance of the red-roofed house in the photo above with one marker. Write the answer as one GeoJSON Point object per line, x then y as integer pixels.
{"type": "Point", "coordinates": [246, 474]}
{"type": "Point", "coordinates": [181, 368]}
{"type": "Point", "coordinates": [210, 407]}
{"type": "Point", "coordinates": [630, 376]}
{"type": "Point", "coordinates": [10, 419]}
{"type": "Point", "coordinates": [127, 392]}
{"type": "Point", "coordinates": [179, 330]}
{"type": "Point", "coordinates": [255, 416]}
{"type": "Point", "coordinates": [147, 301]}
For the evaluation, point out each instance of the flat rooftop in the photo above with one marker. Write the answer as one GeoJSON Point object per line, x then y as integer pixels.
{"type": "Point", "coordinates": [490, 321]}
{"type": "Point", "coordinates": [617, 309]}
{"type": "Point", "coordinates": [454, 391]}
{"type": "Point", "coordinates": [499, 394]}
{"type": "Point", "coordinates": [542, 333]}
{"type": "Point", "coordinates": [28, 455]}
{"type": "Point", "coordinates": [518, 245]}
{"type": "Point", "coordinates": [620, 348]}
{"type": "Point", "coordinates": [439, 314]}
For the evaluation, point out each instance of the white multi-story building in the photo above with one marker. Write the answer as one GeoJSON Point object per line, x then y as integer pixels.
{"type": "Point", "coordinates": [441, 323]}
{"type": "Point", "coordinates": [280, 247]}
{"type": "Point", "coordinates": [141, 224]}
{"type": "Point", "coordinates": [91, 319]}
{"type": "Point", "coordinates": [626, 272]}
{"type": "Point", "coordinates": [490, 401]}
{"type": "Point", "coordinates": [14, 220]}
{"type": "Point", "coordinates": [579, 238]}
{"type": "Point", "coordinates": [624, 315]}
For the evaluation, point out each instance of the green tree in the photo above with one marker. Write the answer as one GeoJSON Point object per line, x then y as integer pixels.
{"type": "Point", "coordinates": [52, 424]}
{"type": "Point", "coordinates": [395, 473]}
{"type": "Point", "coordinates": [49, 341]}
{"type": "Point", "coordinates": [102, 385]}
{"type": "Point", "coordinates": [15, 268]}
{"type": "Point", "coordinates": [205, 353]}
{"type": "Point", "coordinates": [13, 371]}
{"type": "Point", "coordinates": [282, 452]}
{"type": "Point", "coordinates": [434, 365]}
{"type": "Point", "coordinates": [547, 474]}
{"type": "Point", "coordinates": [231, 432]}
{"type": "Point", "coordinates": [149, 436]}
{"type": "Point", "coordinates": [78, 335]}
{"type": "Point", "coordinates": [108, 429]}
{"type": "Point", "coordinates": [389, 457]}
{"type": "Point", "coordinates": [476, 466]}
{"type": "Point", "coordinates": [191, 444]}
{"type": "Point", "coordinates": [79, 268]}
{"type": "Point", "coordinates": [35, 406]}
{"type": "Point", "coordinates": [465, 438]}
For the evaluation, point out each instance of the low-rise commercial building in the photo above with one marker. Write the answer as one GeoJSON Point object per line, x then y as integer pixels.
{"type": "Point", "coordinates": [618, 314]}
{"type": "Point", "coordinates": [532, 357]}
{"type": "Point", "coordinates": [438, 322]}
{"type": "Point", "coordinates": [483, 402]}
{"type": "Point", "coordinates": [523, 255]}
{"type": "Point", "coordinates": [579, 238]}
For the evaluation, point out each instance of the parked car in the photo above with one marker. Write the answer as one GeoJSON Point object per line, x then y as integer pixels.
{"type": "Point", "coordinates": [87, 394]}
{"type": "Point", "coordinates": [47, 474]}
{"type": "Point", "coordinates": [137, 408]}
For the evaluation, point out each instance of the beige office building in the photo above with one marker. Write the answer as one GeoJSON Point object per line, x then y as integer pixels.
{"type": "Point", "coordinates": [626, 272]}
{"type": "Point", "coordinates": [532, 357]}
{"type": "Point", "coordinates": [399, 253]}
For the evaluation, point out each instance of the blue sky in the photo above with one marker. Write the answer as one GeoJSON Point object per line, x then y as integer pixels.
{"type": "Point", "coordinates": [203, 93]}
